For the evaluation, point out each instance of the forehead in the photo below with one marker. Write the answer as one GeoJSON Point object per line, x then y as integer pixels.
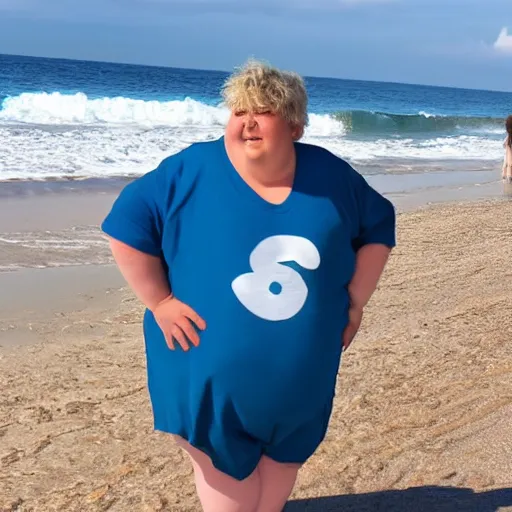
{"type": "Point", "coordinates": [248, 108]}
{"type": "Point", "coordinates": [261, 117]}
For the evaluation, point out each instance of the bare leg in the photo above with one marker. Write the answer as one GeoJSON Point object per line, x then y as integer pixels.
{"type": "Point", "coordinates": [277, 481]}
{"type": "Point", "coordinates": [219, 492]}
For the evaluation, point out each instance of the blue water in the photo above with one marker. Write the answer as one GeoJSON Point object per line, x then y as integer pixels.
{"type": "Point", "coordinates": [73, 119]}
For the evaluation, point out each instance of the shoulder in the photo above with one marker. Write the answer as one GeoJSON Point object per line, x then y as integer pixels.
{"type": "Point", "coordinates": [333, 177]}
{"type": "Point", "coordinates": [328, 166]}
{"type": "Point", "coordinates": [181, 167]}
{"type": "Point", "coordinates": [317, 152]}
{"type": "Point", "coordinates": [168, 184]}
{"type": "Point", "coordinates": [186, 160]}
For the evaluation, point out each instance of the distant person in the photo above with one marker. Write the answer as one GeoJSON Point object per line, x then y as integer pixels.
{"type": "Point", "coordinates": [507, 161]}
{"type": "Point", "coordinates": [255, 256]}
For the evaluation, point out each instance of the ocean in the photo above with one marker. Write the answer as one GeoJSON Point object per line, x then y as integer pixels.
{"type": "Point", "coordinates": [69, 120]}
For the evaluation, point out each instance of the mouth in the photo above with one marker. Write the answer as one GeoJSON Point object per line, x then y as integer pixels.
{"type": "Point", "coordinates": [252, 139]}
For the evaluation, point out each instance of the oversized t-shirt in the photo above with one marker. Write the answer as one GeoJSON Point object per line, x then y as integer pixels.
{"type": "Point", "coordinates": [269, 280]}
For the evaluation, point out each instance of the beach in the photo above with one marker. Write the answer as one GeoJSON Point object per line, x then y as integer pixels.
{"type": "Point", "coordinates": [424, 396]}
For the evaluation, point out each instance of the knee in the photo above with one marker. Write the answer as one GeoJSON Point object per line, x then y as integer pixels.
{"type": "Point", "coordinates": [228, 496]}
{"type": "Point", "coordinates": [219, 492]}
{"type": "Point", "coordinates": [223, 506]}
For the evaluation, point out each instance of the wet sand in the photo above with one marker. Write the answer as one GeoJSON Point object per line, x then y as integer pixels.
{"type": "Point", "coordinates": [424, 399]}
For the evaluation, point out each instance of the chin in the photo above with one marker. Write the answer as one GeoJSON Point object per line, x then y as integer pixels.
{"type": "Point", "coordinates": [253, 154]}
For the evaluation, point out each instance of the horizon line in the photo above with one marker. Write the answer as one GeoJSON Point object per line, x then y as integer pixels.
{"type": "Point", "coordinates": [227, 72]}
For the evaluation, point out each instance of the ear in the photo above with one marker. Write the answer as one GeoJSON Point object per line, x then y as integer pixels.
{"type": "Point", "coordinates": [297, 132]}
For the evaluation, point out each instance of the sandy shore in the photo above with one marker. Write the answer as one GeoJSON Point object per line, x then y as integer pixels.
{"type": "Point", "coordinates": [424, 400]}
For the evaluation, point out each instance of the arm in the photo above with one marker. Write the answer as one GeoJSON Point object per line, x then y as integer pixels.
{"type": "Point", "coordinates": [370, 262]}
{"type": "Point", "coordinates": [505, 159]}
{"type": "Point", "coordinates": [146, 276]}
{"type": "Point", "coordinates": [504, 166]}
{"type": "Point", "coordinates": [134, 229]}
{"type": "Point", "coordinates": [143, 272]}
{"type": "Point", "coordinates": [373, 241]}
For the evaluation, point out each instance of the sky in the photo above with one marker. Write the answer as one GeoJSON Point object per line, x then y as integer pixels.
{"type": "Point", "coordinates": [460, 43]}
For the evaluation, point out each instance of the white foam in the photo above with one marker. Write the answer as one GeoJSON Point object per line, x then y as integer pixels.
{"type": "Point", "coordinates": [48, 136]}
{"type": "Point", "coordinates": [464, 147]}
{"type": "Point", "coordinates": [324, 126]}
{"type": "Point", "coordinates": [103, 152]}
{"type": "Point", "coordinates": [77, 109]}
{"type": "Point", "coordinates": [428, 115]}
{"type": "Point", "coordinates": [65, 109]}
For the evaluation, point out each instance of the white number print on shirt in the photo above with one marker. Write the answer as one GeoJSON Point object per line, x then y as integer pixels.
{"type": "Point", "coordinates": [274, 291]}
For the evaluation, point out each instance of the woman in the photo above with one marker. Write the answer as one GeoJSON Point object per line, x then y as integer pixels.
{"type": "Point", "coordinates": [255, 256]}
{"type": "Point", "coordinates": [506, 173]}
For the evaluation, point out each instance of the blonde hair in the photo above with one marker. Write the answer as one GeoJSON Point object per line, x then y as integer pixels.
{"type": "Point", "coordinates": [257, 87]}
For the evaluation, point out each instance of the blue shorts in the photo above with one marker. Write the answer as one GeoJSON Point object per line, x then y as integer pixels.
{"type": "Point", "coordinates": [237, 453]}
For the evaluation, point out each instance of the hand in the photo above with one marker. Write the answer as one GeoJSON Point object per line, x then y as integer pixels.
{"type": "Point", "coordinates": [355, 315]}
{"type": "Point", "coordinates": [175, 319]}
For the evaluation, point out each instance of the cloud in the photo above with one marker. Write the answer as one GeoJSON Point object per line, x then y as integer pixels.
{"type": "Point", "coordinates": [483, 50]}
{"type": "Point", "coordinates": [504, 41]}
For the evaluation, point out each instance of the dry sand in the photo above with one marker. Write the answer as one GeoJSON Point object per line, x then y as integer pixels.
{"type": "Point", "coordinates": [423, 414]}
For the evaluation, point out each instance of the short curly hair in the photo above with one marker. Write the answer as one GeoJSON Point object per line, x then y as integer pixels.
{"type": "Point", "coordinates": [258, 87]}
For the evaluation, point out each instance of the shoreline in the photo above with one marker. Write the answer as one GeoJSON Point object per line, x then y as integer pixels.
{"type": "Point", "coordinates": [423, 403]}
{"type": "Point", "coordinates": [57, 224]}
{"type": "Point", "coordinates": [390, 176]}
{"type": "Point", "coordinates": [453, 185]}
{"type": "Point", "coordinates": [36, 297]}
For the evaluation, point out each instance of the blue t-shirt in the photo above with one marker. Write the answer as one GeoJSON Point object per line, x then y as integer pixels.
{"type": "Point", "coordinates": [269, 280]}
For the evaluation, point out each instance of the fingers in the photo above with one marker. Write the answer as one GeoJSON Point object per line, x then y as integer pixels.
{"type": "Point", "coordinates": [349, 334]}
{"type": "Point", "coordinates": [169, 340]}
{"type": "Point", "coordinates": [183, 332]}
{"type": "Point", "coordinates": [347, 339]}
{"type": "Point", "coordinates": [179, 336]}
{"type": "Point", "coordinates": [175, 320]}
{"type": "Point", "coordinates": [192, 315]}
{"type": "Point", "coordinates": [186, 327]}
{"type": "Point", "coordinates": [352, 328]}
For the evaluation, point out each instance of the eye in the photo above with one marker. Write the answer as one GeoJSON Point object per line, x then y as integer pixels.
{"type": "Point", "coordinates": [240, 113]}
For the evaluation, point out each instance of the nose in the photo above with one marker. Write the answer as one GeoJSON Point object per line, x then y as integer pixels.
{"type": "Point", "coordinates": [250, 121]}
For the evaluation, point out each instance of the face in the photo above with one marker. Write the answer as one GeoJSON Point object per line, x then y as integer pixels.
{"type": "Point", "coordinates": [259, 135]}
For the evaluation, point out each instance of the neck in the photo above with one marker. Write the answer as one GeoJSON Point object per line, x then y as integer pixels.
{"type": "Point", "coordinates": [270, 174]}
{"type": "Point", "coordinates": [278, 171]}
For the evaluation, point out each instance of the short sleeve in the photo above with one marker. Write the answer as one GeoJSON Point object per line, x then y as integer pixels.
{"type": "Point", "coordinates": [376, 218]}
{"type": "Point", "coordinates": [136, 217]}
